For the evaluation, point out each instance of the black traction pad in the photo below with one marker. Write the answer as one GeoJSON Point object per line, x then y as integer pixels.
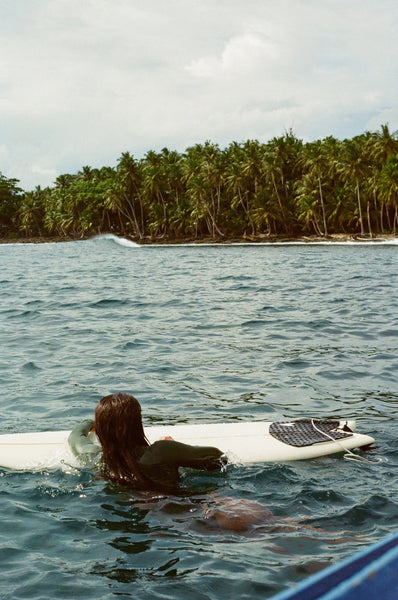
{"type": "Point", "coordinates": [302, 432]}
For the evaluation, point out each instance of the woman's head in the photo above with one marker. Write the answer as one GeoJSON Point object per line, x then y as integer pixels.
{"type": "Point", "coordinates": [118, 417]}
{"type": "Point", "coordinates": [118, 425]}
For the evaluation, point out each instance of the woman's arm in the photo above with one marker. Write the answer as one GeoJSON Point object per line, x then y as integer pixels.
{"type": "Point", "coordinates": [80, 444]}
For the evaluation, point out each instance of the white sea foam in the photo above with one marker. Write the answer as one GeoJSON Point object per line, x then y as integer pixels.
{"type": "Point", "coordinates": [118, 240]}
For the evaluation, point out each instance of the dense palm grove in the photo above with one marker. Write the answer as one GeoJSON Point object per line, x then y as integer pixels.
{"type": "Point", "coordinates": [283, 187]}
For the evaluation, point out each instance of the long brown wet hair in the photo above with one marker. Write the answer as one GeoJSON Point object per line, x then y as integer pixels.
{"type": "Point", "coordinates": [118, 425]}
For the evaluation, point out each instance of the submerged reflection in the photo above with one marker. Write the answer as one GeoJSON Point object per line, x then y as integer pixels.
{"type": "Point", "coordinates": [146, 513]}
{"type": "Point", "coordinates": [158, 536]}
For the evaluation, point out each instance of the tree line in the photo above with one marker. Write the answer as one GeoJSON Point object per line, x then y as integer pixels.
{"type": "Point", "coordinates": [281, 187]}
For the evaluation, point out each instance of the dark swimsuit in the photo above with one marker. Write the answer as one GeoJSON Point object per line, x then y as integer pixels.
{"type": "Point", "coordinates": [159, 462]}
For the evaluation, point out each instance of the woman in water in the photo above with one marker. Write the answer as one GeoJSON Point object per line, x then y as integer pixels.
{"type": "Point", "coordinates": [128, 458]}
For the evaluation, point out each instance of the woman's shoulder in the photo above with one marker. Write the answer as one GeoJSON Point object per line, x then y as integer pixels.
{"type": "Point", "coordinates": [178, 453]}
{"type": "Point", "coordinates": [166, 451]}
{"type": "Point", "coordinates": [158, 451]}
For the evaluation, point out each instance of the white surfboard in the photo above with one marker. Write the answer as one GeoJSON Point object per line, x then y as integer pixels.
{"type": "Point", "coordinates": [241, 442]}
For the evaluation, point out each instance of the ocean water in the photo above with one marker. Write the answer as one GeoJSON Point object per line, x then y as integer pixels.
{"type": "Point", "coordinates": [197, 334]}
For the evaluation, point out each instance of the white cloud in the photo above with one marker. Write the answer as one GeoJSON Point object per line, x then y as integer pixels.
{"type": "Point", "coordinates": [43, 174]}
{"type": "Point", "coordinates": [83, 81]}
{"type": "Point", "coordinates": [246, 53]}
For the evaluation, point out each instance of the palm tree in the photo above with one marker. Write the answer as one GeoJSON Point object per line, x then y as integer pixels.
{"type": "Point", "coordinates": [282, 157]}
{"type": "Point", "coordinates": [237, 184]}
{"type": "Point", "coordinates": [204, 180]}
{"type": "Point", "coordinates": [265, 212]}
{"type": "Point", "coordinates": [388, 187]}
{"type": "Point", "coordinates": [354, 167]}
{"type": "Point", "coordinates": [56, 220]}
{"type": "Point", "coordinates": [124, 193]}
{"type": "Point", "coordinates": [31, 212]}
{"type": "Point", "coordinates": [383, 144]}
{"type": "Point", "coordinates": [155, 192]}
{"type": "Point", "coordinates": [174, 191]}
{"type": "Point", "coordinates": [307, 193]}
{"type": "Point", "coordinates": [313, 160]}
{"type": "Point", "coordinates": [10, 196]}
{"type": "Point", "coordinates": [63, 182]}
{"type": "Point", "coordinates": [272, 173]}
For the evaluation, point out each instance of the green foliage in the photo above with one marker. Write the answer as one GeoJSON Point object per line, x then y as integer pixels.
{"type": "Point", "coordinates": [284, 186]}
{"type": "Point", "coordinates": [10, 195]}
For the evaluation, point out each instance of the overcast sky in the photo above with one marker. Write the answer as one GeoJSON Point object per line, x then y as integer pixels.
{"type": "Point", "coordinates": [82, 81]}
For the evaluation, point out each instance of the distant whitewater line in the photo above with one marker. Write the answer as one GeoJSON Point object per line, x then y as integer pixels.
{"type": "Point", "coordinates": [120, 241]}
{"type": "Point", "coordinates": [130, 244]}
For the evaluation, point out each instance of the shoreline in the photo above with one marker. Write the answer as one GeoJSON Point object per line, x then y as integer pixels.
{"type": "Point", "coordinates": [252, 240]}
{"type": "Point", "coordinates": [276, 239]}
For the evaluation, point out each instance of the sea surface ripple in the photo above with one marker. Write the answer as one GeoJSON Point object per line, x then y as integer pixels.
{"type": "Point", "coordinates": [197, 334]}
